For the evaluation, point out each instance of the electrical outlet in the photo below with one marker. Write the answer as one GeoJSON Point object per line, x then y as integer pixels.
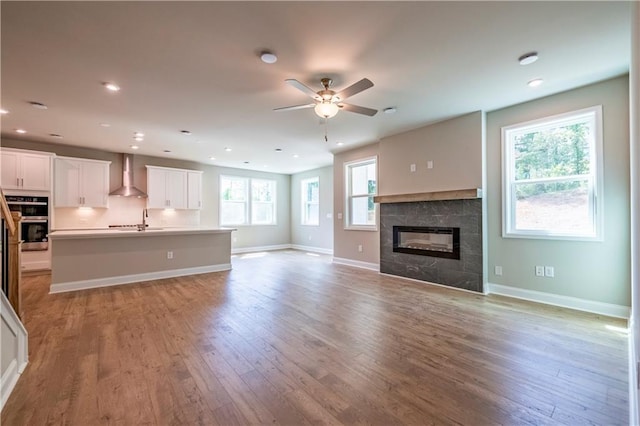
{"type": "Point", "coordinates": [498, 270]}
{"type": "Point", "coordinates": [539, 271]}
{"type": "Point", "coordinates": [360, 248]}
{"type": "Point", "coordinates": [429, 164]}
{"type": "Point", "coordinates": [169, 255]}
{"type": "Point", "coordinates": [549, 271]}
{"type": "Point", "coordinates": [412, 167]}
{"type": "Point", "coordinates": [339, 215]}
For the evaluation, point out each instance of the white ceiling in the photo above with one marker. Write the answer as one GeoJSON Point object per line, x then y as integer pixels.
{"type": "Point", "coordinates": [195, 66]}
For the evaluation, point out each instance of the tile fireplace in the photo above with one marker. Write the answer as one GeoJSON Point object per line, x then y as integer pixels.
{"type": "Point", "coordinates": [438, 241]}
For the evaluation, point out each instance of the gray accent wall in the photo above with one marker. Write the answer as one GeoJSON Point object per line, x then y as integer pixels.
{"type": "Point", "coordinates": [592, 270]}
{"type": "Point", "coordinates": [320, 236]}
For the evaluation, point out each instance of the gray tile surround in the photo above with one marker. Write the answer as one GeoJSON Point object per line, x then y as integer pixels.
{"type": "Point", "coordinates": [465, 273]}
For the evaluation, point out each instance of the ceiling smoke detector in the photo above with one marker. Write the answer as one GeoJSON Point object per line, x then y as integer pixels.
{"type": "Point", "coordinates": [528, 58]}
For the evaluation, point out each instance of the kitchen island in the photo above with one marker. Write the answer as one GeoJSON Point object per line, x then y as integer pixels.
{"type": "Point", "coordinates": [90, 258]}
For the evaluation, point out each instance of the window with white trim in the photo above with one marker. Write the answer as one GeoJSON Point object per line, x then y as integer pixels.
{"type": "Point", "coordinates": [361, 186]}
{"type": "Point", "coordinates": [246, 201]}
{"type": "Point", "coordinates": [310, 196]}
{"type": "Point", "coordinates": [263, 202]}
{"type": "Point", "coordinates": [552, 170]}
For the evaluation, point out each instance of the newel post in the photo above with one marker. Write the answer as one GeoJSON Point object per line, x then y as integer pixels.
{"type": "Point", "coordinates": [15, 259]}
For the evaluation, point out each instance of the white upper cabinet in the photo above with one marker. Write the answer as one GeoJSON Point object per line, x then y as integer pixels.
{"type": "Point", "coordinates": [166, 188]}
{"type": "Point", "coordinates": [194, 190]}
{"type": "Point", "coordinates": [26, 170]}
{"type": "Point", "coordinates": [81, 183]}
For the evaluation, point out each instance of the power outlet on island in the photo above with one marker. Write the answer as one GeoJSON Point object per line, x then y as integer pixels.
{"type": "Point", "coordinates": [169, 255]}
{"type": "Point", "coordinates": [539, 271]}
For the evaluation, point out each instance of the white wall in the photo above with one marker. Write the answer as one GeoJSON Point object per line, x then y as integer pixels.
{"type": "Point", "coordinates": [595, 271]}
{"type": "Point", "coordinates": [320, 236]}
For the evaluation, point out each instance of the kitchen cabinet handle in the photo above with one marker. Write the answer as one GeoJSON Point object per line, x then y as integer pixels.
{"type": "Point", "coordinates": [17, 181]}
{"type": "Point", "coordinates": [22, 182]}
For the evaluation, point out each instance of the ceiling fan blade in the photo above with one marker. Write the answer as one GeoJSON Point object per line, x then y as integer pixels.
{"type": "Point", "coordinates": [306, 89]}
{"type": "Point", "coordinates": [291, 108]}
{"type": "Point", "coordinates": [358, 109]}
{"type": "Point", "coordinates": [355, 88]}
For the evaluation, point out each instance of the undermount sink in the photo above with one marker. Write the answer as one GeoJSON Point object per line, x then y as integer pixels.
{"type": "Point", "coordinates": [135, 229]}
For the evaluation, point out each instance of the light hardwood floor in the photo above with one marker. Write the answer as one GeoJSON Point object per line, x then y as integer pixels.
{"type": "Point", "coordinates": [290, 338]}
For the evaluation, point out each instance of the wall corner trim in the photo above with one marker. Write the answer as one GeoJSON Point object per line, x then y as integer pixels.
{"type": "Point", "coordinates": [608, 309]}
{"type": "Point", "coordinates": [356, 263]}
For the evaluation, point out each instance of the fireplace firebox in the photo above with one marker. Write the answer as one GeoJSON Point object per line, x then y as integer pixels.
{"type": "Point", "coordinates": [427, 241]}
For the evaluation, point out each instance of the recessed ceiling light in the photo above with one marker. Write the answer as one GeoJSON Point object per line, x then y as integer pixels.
{"type": "Point", "coordinates": [535, 82]}
{"type": "Point", "coordinates": [295, 156]}
{"type": "Point", "coordinates": [55, 135]}
{"type": "Point", "coordinates": [112, 87]}
{"type": "Point", "coordinates": [389, 110]}
{"type": "Point", "coordinates": [212, 158]}
{"type": "Point", "coordinates": [340, 143]}
{"type": "Point", "coordinates": [105, 125]}
{"type": "Point", "coordinates": [134, 147]}
{"type": "Point", "coordinates": [21, 131]}
{"type": "Point", "coordinates": [38, 105]}
{"type": "Point", "coordinates": [138, 134]}
{"type": "Point", "coordinates": [228, 149]}
{"type": "Point", "coordinates": [528, 58]}
{"type": "Point", "coordinates": [268, 57]}
{"type": "Point", "coordinates": [138, 138]}
{"type": "Point", "coordinates": [4, 111]}
{"type": "Point", "coordinates": [265, 166]}
{"type": "Point", "coordinates": [185, 132]}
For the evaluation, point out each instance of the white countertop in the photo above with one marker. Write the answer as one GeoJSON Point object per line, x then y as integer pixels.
{"type": "Point", "coordinates": [133, 232]}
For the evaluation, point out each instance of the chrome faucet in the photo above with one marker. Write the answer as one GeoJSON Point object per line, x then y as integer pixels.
{"type": "Point", "coordinates": [143, 225]}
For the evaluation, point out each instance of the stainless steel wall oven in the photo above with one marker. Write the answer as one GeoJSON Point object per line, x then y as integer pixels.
{"type": "Point", "coordinates": [35, 220]}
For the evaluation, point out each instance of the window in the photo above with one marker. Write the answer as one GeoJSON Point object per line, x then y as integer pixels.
{"type": "Point", "coordinates": [245, 201]}
{"type": "Point", "coordinates": [310, 201]}
{"type": "Point", "coordinates": [553, 177]}
{"type": "Point", "coordinates": [263, 202]}
{"type": "Point", "coordinates": [361, 187]}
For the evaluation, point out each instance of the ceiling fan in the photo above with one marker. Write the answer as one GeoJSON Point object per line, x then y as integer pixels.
{"type": "Point", "coordinates": [328, 102]}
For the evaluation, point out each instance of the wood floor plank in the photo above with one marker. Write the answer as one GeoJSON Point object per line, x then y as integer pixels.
{"type": "Point", "coordinates": [286, 338]}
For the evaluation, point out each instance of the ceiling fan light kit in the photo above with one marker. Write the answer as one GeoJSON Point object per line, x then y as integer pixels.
{"type": "Point", "coordinates": [328, 102]}
{"type": "Point", "coordinates": [326, 109]}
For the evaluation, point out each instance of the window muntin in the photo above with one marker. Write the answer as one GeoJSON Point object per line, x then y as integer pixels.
{"type": "Point", "coordinates": [553, 177]}
{"type": "Point", "coordinates": [361, 183]}
{"type": "Point", "coordinates": [310, 196]}
{"type": "Point", "coordinates": [246, 201]}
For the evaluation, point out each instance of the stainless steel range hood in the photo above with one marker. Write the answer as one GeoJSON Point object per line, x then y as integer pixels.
{"type": "Point", "coordinates": [127, 189]}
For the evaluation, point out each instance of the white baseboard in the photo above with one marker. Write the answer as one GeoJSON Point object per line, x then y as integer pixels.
{"type": "Point", "coordinates": [135, 278]}
{"type": "Point", "coordinates": [601, 308]}
{"type": "Point", "coordinates": [634, 417]}
{"type": "Point", "coordinates": [18, 364]}
{"type": "Point", "coordinates": [312, 249]}
{"type": "Point", "coordinates": [357, 263]}
{"type": "Point", "coordinates": [260, 248]}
